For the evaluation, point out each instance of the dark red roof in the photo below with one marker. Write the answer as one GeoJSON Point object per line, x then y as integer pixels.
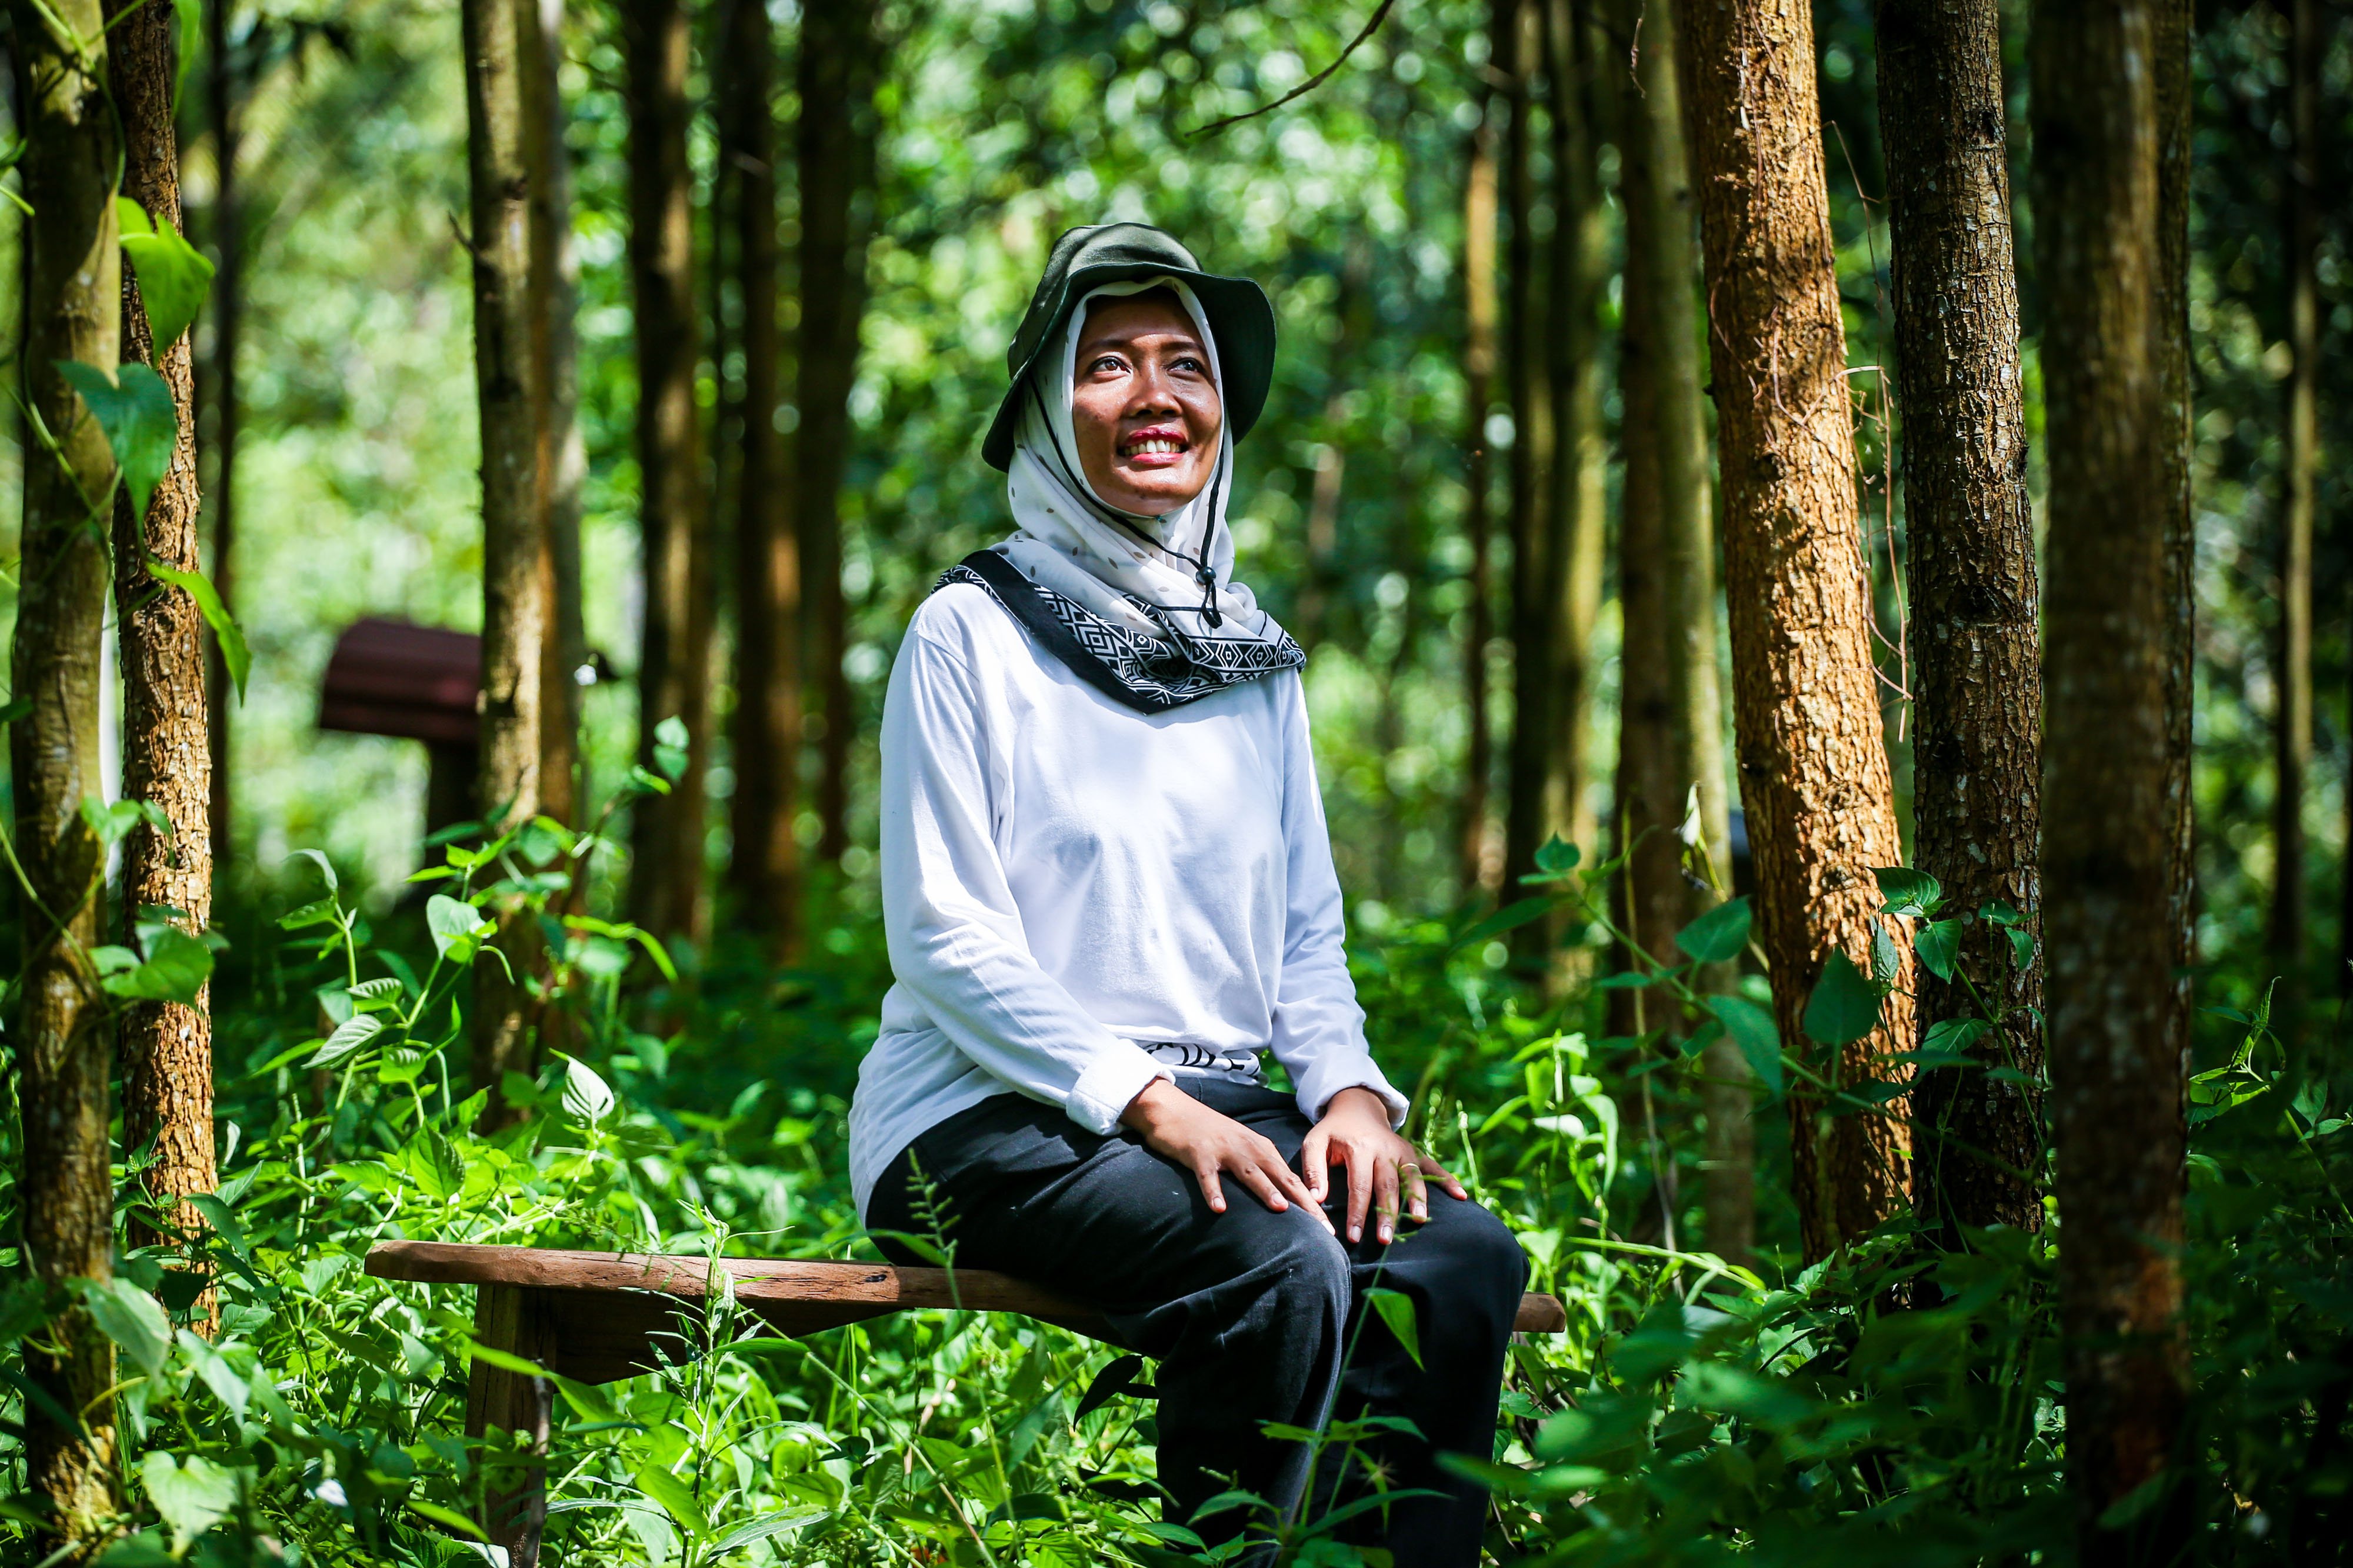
{"type": "Point", "coordinates": [389, 678]}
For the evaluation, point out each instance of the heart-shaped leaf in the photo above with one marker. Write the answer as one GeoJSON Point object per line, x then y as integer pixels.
{"type": "Point", "coordinates": [173, 274]}
{"type": "Point", "coordinates": [1719, 935]}
{"type": "Point", "coordinates": [1844, 1007]}
{"type": "Point", "coordinates": [133, 407]}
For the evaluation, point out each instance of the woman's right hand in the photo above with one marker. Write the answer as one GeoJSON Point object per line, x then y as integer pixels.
{"type": "Point", "coordinates": [1176, 1126]}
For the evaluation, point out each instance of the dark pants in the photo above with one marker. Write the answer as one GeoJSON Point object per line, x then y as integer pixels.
{"type": "Point", "coordinates": [1250, 1312]}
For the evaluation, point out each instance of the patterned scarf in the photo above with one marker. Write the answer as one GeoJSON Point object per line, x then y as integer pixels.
{"type": "Point", "coordinates": [1145, 609]}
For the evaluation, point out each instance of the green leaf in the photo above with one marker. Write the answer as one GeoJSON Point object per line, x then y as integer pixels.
{"type": "Point", "coordinates": [1509, 918]}
{"type": "Point", "coordinates": [447, 1518]}
{"type": "Point", "coordinates": [1844, 1007]}
{"type": "Point", "coordinates": [17, 708]}
{"type": "Point", "coordinates": [1952, 1037]}
{"type": "Point", "coordinates": [1717, 936]}
{"type": "Point", "coordinates": [767, 1525]}
{"type": "Point", "coordinates": [131, 1319]}
{"type": "Point", "coordinates": [587, 1096]}
{"type": "Point", "coordinates": [111, 823]}
{"type": "Point", "coordinates": [1939, 945]}
{"type": "Point", "coordinates": [350, 1037]}
{"type": "Point", "coordinates": [326, 867]}
{"type": "Point", "coordinates": [1752, 1029]}
{"type": "Point", "coordinates": [173, 274]}
{"type": "Point", "coordinates": [236, 657]}
{"type": "Point", "coordinates": [176, 970]}
{"type": "Point", "coordinates": [670, 743]}
{"type": "Point", "coordinates": [145, 1550]}
{"type": "Point", "coordinates": [1886, 964]}
{"type": "Point", "coordinates": [675, 1497]}
{"type": "Point", "coordinates": [457, 927]}
{"type": "Point", "coordinates": [1558, 856]}
{"type": "Point", "coordinates": [192, 1497]}
{"type": "Point", "coordinates": [1908, 891]}
{"type": "Point", "coordinates": [1396, 1308]}
{"type": "Point", "coordinates": [133, 407]}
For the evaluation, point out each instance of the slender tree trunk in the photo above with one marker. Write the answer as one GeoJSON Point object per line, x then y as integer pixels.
{"type": "Point", "coordinates": [227, 302]}
{"type": "Point", "coordinates": [674, 665]}
{"type": "Point", "coordinates": [514, 609]}
{"type": "Point", "coordinates": [73, 305]}
{"type": "Point", "coordinates": [1350, 308]}
{"type": "Point", "coordinates": [559, 455]}
{"type": "Point", "coordinates": [1478, 396]}
{"type": "Point", "coordinates": [2173, 24]}
{"type": "Point", "coordinates": [765, 869]}
{"type": "Point", "coordinates": [1813, 768]}
{"type": "Point", "coordinates": [1978, 694]}
{"type": "Point", "coordinates": [2110, 831]}
{"type": "Point", "coordinates": [166, 1048]}
{"type": "Point", "coordinates": [2293, 732]}
{"type": "Point", "coordinates": [1665, 445]}
{"type": "Point", "coordinates": [835, 149]}
{"type": "Point", "coordinates": [1576, 526]}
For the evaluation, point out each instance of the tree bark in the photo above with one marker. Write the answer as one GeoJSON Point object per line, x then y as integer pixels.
{"type": "Point", "coordinates": [73, 305]}
{"type": "Point", "coordinates": [1478, 396]}
{"type": "Point", "coordinates": [514, 611]}
{"type": "Point", "coordinates": [1978, 696]}
{"type": "Point", "coordinates": [2110, 857]}
{"type": "Point", "coordinates": [765, 870]}
{"type": "Point", "coordinates": [1664, 438]}
{"type": "Point", "coordinates": [1813, 767]}
{"type": "Point", "coordinates": [2293, 728]}
{"type": "Point", "coordinates": [836, 150]}
{"type": "Point", "coordinates": [559, 453]}
{"type": "Point", "coordinates": [674, 664]}
{"type": "Point", "coordinates": [166, 1048]}
{"type": "Point", "coordinates": [227, 302]}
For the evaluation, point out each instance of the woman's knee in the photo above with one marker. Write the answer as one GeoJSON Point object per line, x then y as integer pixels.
{"type": "Point", "coordinates": [1476, 1256]}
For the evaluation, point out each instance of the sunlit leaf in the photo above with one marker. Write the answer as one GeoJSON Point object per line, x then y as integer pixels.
{"type": "Point", "coordinates": [192, 1496]}
{"type": "Point", "coordinates": [1908, 891]}
{"type": "Point", "coordinates": [1396, 1308]}
{"type": "Point", "coordinates": [132, 1318]}
{"type": "Point", "coordinates": [1717, 936]}
{"type": "Point", "coordinates": [236, 657]}
{"type": "Point", "coordinates": [173, 274]}
{"type": "Point", "coordinates": [133, 407]}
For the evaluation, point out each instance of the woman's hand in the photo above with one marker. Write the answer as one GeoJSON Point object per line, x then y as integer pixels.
{"type": "Point", "coordinates": [1355, 1133]}
{"type": "Point", "coordinates": [1178, 1127]}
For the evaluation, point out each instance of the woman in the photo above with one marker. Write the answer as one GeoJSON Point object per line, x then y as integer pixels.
{"type": "Point", "coordinates": [1108, 891]}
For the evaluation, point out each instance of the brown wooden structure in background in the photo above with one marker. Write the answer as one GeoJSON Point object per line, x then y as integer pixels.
{"type": "Point", "coordinates": [417, 683]}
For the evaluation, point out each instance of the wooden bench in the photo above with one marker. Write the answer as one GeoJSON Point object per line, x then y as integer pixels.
{"type": "Point", "coordinates": [594, 1317]}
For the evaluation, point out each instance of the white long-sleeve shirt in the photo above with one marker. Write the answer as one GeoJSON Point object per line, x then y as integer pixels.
{"type": "Point", "coordinates": [1066, 880]}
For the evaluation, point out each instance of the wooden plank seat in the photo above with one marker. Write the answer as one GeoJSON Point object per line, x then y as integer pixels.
{"type": "Point", "coordinates": [596, 1317]}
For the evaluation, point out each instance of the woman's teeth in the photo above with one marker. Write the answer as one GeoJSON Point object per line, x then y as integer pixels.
{"type": "Point", "coordinates": [1155, 444]}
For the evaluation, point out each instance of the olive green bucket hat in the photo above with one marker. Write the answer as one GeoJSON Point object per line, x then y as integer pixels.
{"type": "Point", "coordinates": [1084, 259]}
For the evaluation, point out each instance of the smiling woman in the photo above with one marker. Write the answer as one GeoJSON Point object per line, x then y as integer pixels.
{"type": "Point", "coordinates": [1144, 404]}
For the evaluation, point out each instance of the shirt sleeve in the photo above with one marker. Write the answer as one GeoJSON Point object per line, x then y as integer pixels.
{"type": "Point", "coordinates": [954, 933]}
{"type": "Point", "coordinates": [1319, 1029]}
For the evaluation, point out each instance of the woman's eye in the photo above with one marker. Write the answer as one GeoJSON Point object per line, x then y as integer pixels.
{"type": "Point", "coordinates": [1108, 362]}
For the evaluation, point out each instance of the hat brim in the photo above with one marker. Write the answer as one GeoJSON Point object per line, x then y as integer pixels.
{"type": "Point", "coordinates": [1240, 315]}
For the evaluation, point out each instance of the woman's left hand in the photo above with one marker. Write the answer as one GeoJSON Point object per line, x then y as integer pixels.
{"type": "Point", "coordinates": [1355, 1133]}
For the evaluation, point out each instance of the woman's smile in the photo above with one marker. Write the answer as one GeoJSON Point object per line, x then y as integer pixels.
{"type": "Point", "coordinates": [1156, 446]}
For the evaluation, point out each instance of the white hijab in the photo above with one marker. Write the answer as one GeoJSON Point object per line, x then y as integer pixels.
{"type": "Point", "coordinates": [1140, 573]}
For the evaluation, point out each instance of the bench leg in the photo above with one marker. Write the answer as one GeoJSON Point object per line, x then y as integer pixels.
{"type": "Point", "coordinates": [512, 1318]}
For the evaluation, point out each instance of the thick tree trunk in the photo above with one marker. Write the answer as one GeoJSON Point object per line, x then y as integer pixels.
{"type": "Point", "coordinates": [1478, 395]}
{"type": "Point", "coordinates": [166, 1048]}
{"type": "Point", "coordinates": [1666, 479]}
{"type": "Point", "coordinates": [1978, 685]}
{"type": "Point", "coordinates": [836, 150]}
{"type": "Point", "coordinates": [227, 308]}
{"type": "Point", "coordinates": [2292, 727]}
{"type": "Point", "coordinates": [515, 610]}
{"type": "Point", "coordinates": [1813, 767]}
{"type": "Point", "coordinates": [1518, 48]}
{"type": "Point", "coordinates": [765, 871]}
{"type": "Point", "coordinates": [559, 455]}
{"type": "Point", "coordinates": [674, 662]}
{"type": "Point", "coordinates": [1576, 524]}
{"type": "Point", "coordinates": [2110, 856]}
{"type": "Point", "coordinates": [73, 307]}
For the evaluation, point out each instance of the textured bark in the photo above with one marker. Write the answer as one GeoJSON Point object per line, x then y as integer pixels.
{"type": "Point", "coordinates": [674, 660]}
{"type": "Point", "coordinates": [1977, 697]}
{"type": "Point", "coordinates": [73, 306]}
{"type": "Point", "coordinates": [559, 455]}
{"type": "Point", "coordinates": [515, 610]}
{"type": "Point", "coordinates": [226, 306]}
{"type": "Point", "coordinates": [1666, 479]}
{"type": "Point", "coordinates": [1352, 307]}
{"type": "Point", "coordinates": [765, 871]}
{"type": "Point", "coordinates": [2110, 856]}
{"type": "Point", "coordinates": [2293, 724]}
{"type": "Point", "coordinates": [1813, 769]}
{"type": "Point", "coordinates": [166, 1048]}
{"type": "Point", "coordinates": [836, 152]}
{"type": "Point", "coordinates": [1478, 395]}
{"type": "Point", "coordinates": [2173, 23]}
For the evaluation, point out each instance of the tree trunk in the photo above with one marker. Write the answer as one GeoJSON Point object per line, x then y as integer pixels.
{"type": "Point", "coordinates": [2110, 856]}
{"type": "Point", "coordinates": [166, 1048]}
{"type": "Point", "coordinates": [1575, 525]}
{"type": "Point", "coordinates": [1666, 478]}
{"type": "Point", "coordinates": [2173, 23]}
{"type": "Point", "coordinates": [1517, 54]}
{"type": "Point", "coordinates": [1351, 312]}
{"type": "Point", "coordinates": [674, 664]}
{"type": "Point", "coordinates": [227, 303]}
{"type": "Point", "coordinates": [1478, 396]}
{"type": "Point", "coordinates": [765, 870]}
{"type": "Point", "coordinates": [836, 150]}
{"type": "Point", "coordinates": [1813, 767]}
{"type": "Point", "coordinates": [2293, 730]}
{"type": "Point", "coordinates": [1977, 697]}
{"type": "Point", "coordinates": [514, 617]}
{"type": "Point", "coordinates": [559, 455]}
{"type": "Point", "coordinates": [73, 304]}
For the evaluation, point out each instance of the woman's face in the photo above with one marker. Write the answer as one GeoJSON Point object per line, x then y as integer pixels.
{"type": "Point", "coordinates": [1144, 405]}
